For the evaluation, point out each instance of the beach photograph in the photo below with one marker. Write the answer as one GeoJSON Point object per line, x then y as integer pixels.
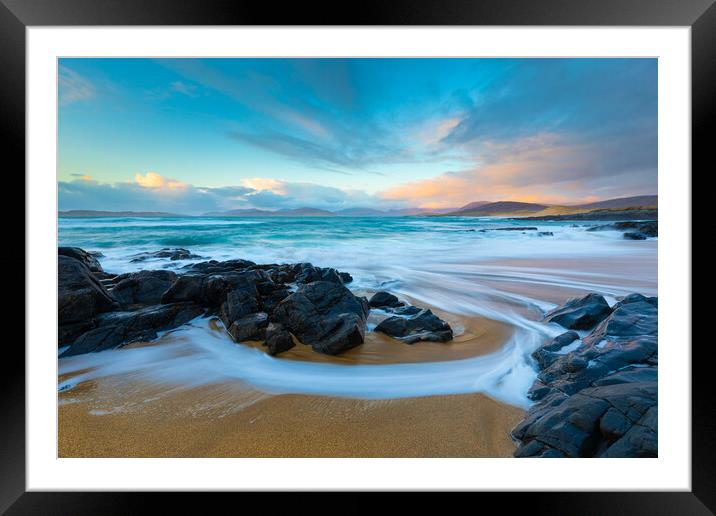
{"type": "Point", "coordinates": [357, 257]}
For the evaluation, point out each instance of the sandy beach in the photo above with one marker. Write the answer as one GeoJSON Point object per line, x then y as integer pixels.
{"type": "Point", "coordinates": [123, 416]}
{"type": "Point", "coordinates": [223, 421]}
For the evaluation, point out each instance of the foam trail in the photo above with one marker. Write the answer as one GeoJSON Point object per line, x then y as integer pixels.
{"type": "Point", "coordinates": [201, 356]}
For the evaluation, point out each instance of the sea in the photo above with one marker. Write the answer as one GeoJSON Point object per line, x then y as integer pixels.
{"type": "Point", "coordinates": [509, 270]}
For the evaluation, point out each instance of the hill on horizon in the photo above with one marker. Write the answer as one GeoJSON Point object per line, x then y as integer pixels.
{"type": "Point", "coordinates": [517, 209]}
{"type": "Point", "coordinates": [104, 213]}
{"type": "Point", "coordinates": [473, 209]}
{"type": "Point", "coordinates": [255, 212]}
{"type": "Point", "coordinates": [499, 208]}
{"type": "Point", "coordinates": [622, 202]}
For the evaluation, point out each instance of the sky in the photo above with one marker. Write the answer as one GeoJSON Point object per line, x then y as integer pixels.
{"type": "Point", "coordinates": [197, 135]}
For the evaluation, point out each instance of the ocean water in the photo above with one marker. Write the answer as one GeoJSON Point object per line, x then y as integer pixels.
{"type": "Point", "coordinates": [446, 262]}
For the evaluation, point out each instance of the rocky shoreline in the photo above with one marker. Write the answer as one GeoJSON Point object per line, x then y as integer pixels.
{"type": "Point", "coordinates": [596, 393]}
{"type": "Point", "coordinates": [281, 305]}
{"type": "Point", "coordinates": [596, 390]}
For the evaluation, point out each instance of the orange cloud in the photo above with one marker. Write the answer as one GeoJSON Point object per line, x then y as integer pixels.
{"type": "Point", "coordinates": [263, 184]}
{"type": "Point", "coordinates": [536, 169]}
{"type": "Point", "coordinates": [156, 181]}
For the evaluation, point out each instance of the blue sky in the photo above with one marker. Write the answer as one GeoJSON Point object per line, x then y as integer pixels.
{"type": "Point", "coordinates": [194, 135]}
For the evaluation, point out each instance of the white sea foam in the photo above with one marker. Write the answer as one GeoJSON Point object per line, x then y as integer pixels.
{"type": "Point", "coordinates": [196, 355]}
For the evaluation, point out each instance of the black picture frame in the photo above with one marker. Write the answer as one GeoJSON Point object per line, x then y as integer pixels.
{"type": "Point", "coordinates": [17, 15]}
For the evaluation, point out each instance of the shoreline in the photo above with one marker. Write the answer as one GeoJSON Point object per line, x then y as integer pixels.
{"type": "Point", "coordinates": [194, 401]}
{"type": "Point", "coordinates": [124, 416]}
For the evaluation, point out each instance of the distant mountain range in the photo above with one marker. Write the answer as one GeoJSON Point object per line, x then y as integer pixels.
{"type": "Point", "coordinates": [473, 209]}
{"type": "Point", "coordinates": [315, 212]}
{"type": "Point", "coordinates": [96, 213]}
{"type": "Point", "coordinates": [298, 212]}
{"type": "Point", "coordinates": [522, 209]}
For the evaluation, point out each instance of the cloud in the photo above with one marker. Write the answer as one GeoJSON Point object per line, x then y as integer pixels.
{"type": "Point", "coordinates": [547, 167]}
{"type": "Point", "coordinates": [73, 87]}
{"type": "Point", "coordinates": [153, 192]}
{"type": "Point", "coordinates": [154, 180]}
{"type": "Point", "coordinates": [190, 90]}
{"type": "Point", "coordinates": [292, 109]}
{"type": "Point", "coordinates": [349, 116]}
{"type": "Point", "coordinates": [485, 129]}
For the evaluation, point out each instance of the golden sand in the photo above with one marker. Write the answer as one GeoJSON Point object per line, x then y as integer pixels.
{"type": "Point", "coordinates": [223, 421]}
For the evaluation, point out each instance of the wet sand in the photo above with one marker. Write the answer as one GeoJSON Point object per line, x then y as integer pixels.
{"type": "Point", "coordinates": [635, 275]}
{"type": "Point", "coordinates": [136, 420]}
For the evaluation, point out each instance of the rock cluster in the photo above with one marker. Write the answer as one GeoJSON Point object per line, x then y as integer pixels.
{"type": "Point", "coordinates": [596, 396]}
{"type": "Point", "coordinates": [176, 253]}
{"type": "Point", "coordinates": [408, 323]}
{"type": "Point", "coordinates": [277, 304]}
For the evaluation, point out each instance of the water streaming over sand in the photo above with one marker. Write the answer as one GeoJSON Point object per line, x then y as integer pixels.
{"type": "Point", "coordinates": [448, 263]}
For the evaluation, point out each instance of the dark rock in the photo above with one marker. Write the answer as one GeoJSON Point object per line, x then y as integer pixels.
{"type": "Point", "coordinates": [422, 326]}
{"type": "Point", "coordinates": [211, 290]}
{"type": "Point", "coordinates": [598, 400]}
{"type": "Point", "coordinates": [88, 259]}
{"type": "Point", "coordinates": [627, 321]}
{"type": "Point", "coordinates": [539, 391]}
{"type": "Point", "coordinates": [143, 287]}
{"type": "Point", "coordinates": [309, 274]}
{"type": "Point", "coordinates": [579, 369]}
{"type": "Point", "coordinates": [636, 230]}
{"type": "Point", "coordinates": [216, 267]}
{"type": "Point", "coordinates": [68, 333]}
{"type": "Point", "coordinates": [250, 327]}
{"type": "Point", "coordinates": [596, 422]}
{"type": "Point", "coordinates": [404, 310]}
{"type": "Point", "coordinates": [545, 233]}
{"type": "Point", "coordinates": [546, 355]}
{"type": "Point", "coordinates": [270, 301]}
{"type": "Point", "coordinates": [118, 328]}
{"type": "Point", "coordinates": [187, 287]}
{"type": "Point", "coordinates": [330, 275]}
{"type": "Point", "coordinates": [80, 295]}
{"type": "Point", "coordinates": [634, 374]}
{"type": "Point", "coordinates": [170, 253]}
{"type": "Point", "coordinates": [384, 299]}
{"type": "Point", "coordinates": [278, 339]}
{"type": "Point", "coordinates": [637, 298]}
{"type": "Point", "coordinates": [241, 301]}
{"type": "Point", "coordinates": [640, 440]}
{"type": "Point", "coordinates": [325, 315]}
{"type": "Point", "coordinates": [580, 313]}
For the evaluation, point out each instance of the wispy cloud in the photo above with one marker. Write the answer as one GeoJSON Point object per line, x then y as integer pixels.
{"type": "Point", "coordinates": [73, 87]}
{"type": "Point", "coordinates": [190, 90]}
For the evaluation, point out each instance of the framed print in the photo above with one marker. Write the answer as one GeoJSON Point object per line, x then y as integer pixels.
{"type": "Point", "coordinates": [406, 251]}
